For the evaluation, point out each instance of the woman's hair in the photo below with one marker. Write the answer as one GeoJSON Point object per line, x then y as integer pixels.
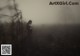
{"type": "Point", "coordinates": [30, 21]}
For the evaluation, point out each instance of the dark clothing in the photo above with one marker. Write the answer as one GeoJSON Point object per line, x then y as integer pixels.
{"type": "Point", "coordinates": [29, 29]}
{"type": "Point", "coordinates": [29, 39]}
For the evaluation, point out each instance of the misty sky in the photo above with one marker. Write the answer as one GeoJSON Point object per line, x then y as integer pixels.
{"type": "Point", "coordinates": [40, 12]}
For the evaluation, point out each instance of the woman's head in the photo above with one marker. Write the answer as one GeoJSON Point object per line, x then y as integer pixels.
{"type": "Point", "coordinates": [30, 21]}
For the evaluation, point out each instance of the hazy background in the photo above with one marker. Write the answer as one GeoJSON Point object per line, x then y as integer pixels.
{"type": "Point", "coordinates": [51, 40]}
{"type": "Point", "coordinates": [40, 12]}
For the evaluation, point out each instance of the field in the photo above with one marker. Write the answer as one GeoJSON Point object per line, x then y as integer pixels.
{"type": "Point", "coordinates": [45, 40]}
{"type": "Point", "coordinates": [53, 40]}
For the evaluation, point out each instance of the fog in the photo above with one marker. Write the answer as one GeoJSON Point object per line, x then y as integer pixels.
{"type": "Point", "coordinates": [40, 12]}
{"type": "Point", "coordinates": [41, 40]}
